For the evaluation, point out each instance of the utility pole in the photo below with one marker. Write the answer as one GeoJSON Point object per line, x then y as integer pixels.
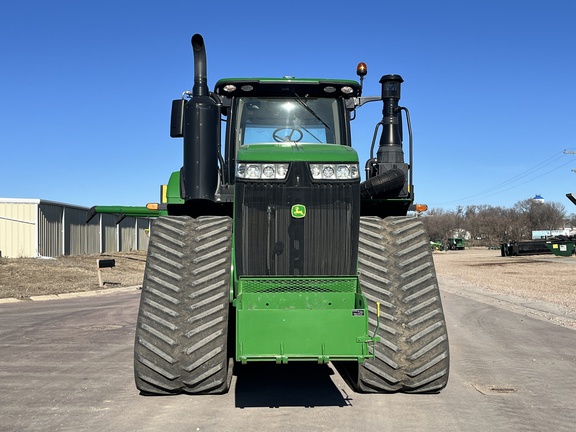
{"type": "Point", "coordinates": [570, 152]}
{"type": "Point", "coordinates": [571, 196]}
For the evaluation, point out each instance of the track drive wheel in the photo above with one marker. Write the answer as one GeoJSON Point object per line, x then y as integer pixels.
{"type": "Point", "coordinates": [396, 269]}
{"type": "Point", "coordinates": [182, 326]}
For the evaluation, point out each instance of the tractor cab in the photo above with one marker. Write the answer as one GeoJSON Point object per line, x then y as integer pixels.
{"type": "Point", "coordinates": [284, 112]}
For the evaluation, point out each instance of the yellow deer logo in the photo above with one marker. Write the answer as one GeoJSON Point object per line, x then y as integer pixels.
{"type": "Point", "coordinates": [298, 211]}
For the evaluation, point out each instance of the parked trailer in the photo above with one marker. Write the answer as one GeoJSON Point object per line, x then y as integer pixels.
{"type": "Point", "coordinates": [524, 247]}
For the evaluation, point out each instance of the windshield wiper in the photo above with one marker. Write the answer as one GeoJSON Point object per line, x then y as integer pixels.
{"type": "Point", "coordinates": [313, 136]}
{"type": "Point", "coordinates": [310, 110]}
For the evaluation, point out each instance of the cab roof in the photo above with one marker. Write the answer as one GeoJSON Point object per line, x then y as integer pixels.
{"type": "Point", "coordinates": [287, 86]}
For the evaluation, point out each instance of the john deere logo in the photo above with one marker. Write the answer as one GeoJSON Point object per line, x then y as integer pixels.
{"type": "Point", "coordinates": [298, 211]}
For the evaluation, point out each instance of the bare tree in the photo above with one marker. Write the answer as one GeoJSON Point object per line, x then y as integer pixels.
{"type": "Point", "coordinates": [437, 223]}
{"type": "Point", "coordinates": [542, 215]}
{"type": "Point", "coordinates": [490, 226]}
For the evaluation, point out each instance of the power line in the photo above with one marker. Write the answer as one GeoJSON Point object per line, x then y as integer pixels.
{"type": "Point", "coordinates": [508, 183]}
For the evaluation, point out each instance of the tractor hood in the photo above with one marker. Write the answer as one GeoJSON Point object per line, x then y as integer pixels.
{"type": "Point", "coordinates": [293, 152]}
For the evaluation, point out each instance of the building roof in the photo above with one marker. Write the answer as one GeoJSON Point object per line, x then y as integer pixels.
{"type": "Point", "coordinates": [39, 201]}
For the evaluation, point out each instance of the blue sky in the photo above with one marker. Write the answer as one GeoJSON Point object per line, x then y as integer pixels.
{"type": "Point", "coordinates": [86, 88]}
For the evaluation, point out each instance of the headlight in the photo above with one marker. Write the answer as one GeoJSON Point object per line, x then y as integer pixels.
{"type": "Point", "coordinates": [334, 171]}
{"type": "Point", "coordinates": [262, 171]}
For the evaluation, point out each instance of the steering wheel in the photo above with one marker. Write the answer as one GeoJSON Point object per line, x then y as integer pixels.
{"type": "Point", "coordinates": [287, 138]}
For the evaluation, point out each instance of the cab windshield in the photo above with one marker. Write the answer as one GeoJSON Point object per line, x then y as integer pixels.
{"type": "Point", "coordinates": [289, 120]}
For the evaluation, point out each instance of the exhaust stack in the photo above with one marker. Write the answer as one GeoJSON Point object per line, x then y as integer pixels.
{"type": "Point", "coordinates": [201, 130]}
{"type": "Point", "coordinates": [200, 81]}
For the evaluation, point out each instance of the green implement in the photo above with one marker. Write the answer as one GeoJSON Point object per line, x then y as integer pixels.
{"type": "Point", "coordinates": [125, 211]}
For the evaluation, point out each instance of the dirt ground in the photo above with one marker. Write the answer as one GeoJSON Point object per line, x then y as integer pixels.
{"type": "Point", "coordinates": [539, 278]}
{"type": "Point", "coordinates": [24, 277]}
{"type": "Point", "coordinates": [538, 282]}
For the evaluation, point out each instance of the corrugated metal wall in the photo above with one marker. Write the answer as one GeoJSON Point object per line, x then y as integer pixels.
{"type": "Point", "coordinates": [80, 237]}
{"type": "Point", "coordinates": [127, 234]}
{"type": "Point", "coordinates": [109, 241]}
{"type": "Point", "coordinates": [134, 234]}
{"type": "Point", "coordinates": [18, 229]}
{"type": "Point", "coordinates": [50, 233]}
{"type": "Point", "coordinates": [93, 236]}
{"type": "Point", "coordinates": [143, 227]}
{"type": "Point", "coordinates": [29, 228]}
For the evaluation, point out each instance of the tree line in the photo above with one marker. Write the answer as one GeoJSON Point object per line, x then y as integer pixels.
{"type": "Point", "coordinates": [489, 226]}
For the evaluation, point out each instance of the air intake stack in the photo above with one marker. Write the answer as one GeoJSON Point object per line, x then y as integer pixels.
{"type": "Point", "coordinates": [390, 151]}
{"type": "Point", "coordinates": [387, 173]}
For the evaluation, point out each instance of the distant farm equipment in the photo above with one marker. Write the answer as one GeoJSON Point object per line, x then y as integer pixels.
{"type": "Point", "coordinates": [456, 243]}
{"type": "Point", "coordinates": [437, 245]}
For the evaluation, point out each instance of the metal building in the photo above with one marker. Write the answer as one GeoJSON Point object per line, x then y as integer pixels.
{"type": "Point", "coordinates": [34, 228]}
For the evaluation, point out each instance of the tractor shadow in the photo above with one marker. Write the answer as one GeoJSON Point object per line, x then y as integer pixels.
{"type": "Point", "coordinates": [295, 384]}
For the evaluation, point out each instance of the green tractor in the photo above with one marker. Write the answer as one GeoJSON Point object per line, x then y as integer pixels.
{"type": "Point", "coordinates": [268, 247]}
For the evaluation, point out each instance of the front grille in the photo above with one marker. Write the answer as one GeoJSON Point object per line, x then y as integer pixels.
{"type": "Point", "coordinates": [301, 285]}
{"type": "Point", "coordinates": [270, 242]}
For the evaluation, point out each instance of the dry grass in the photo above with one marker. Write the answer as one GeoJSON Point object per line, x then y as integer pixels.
{"type": "Point", "coordinates": [24, 277]}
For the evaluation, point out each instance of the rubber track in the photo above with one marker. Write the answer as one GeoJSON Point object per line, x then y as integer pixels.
{"type": "Point", "coordinates": [182, 327]}
{"type": "Point", "coordinates": [396, 269]}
